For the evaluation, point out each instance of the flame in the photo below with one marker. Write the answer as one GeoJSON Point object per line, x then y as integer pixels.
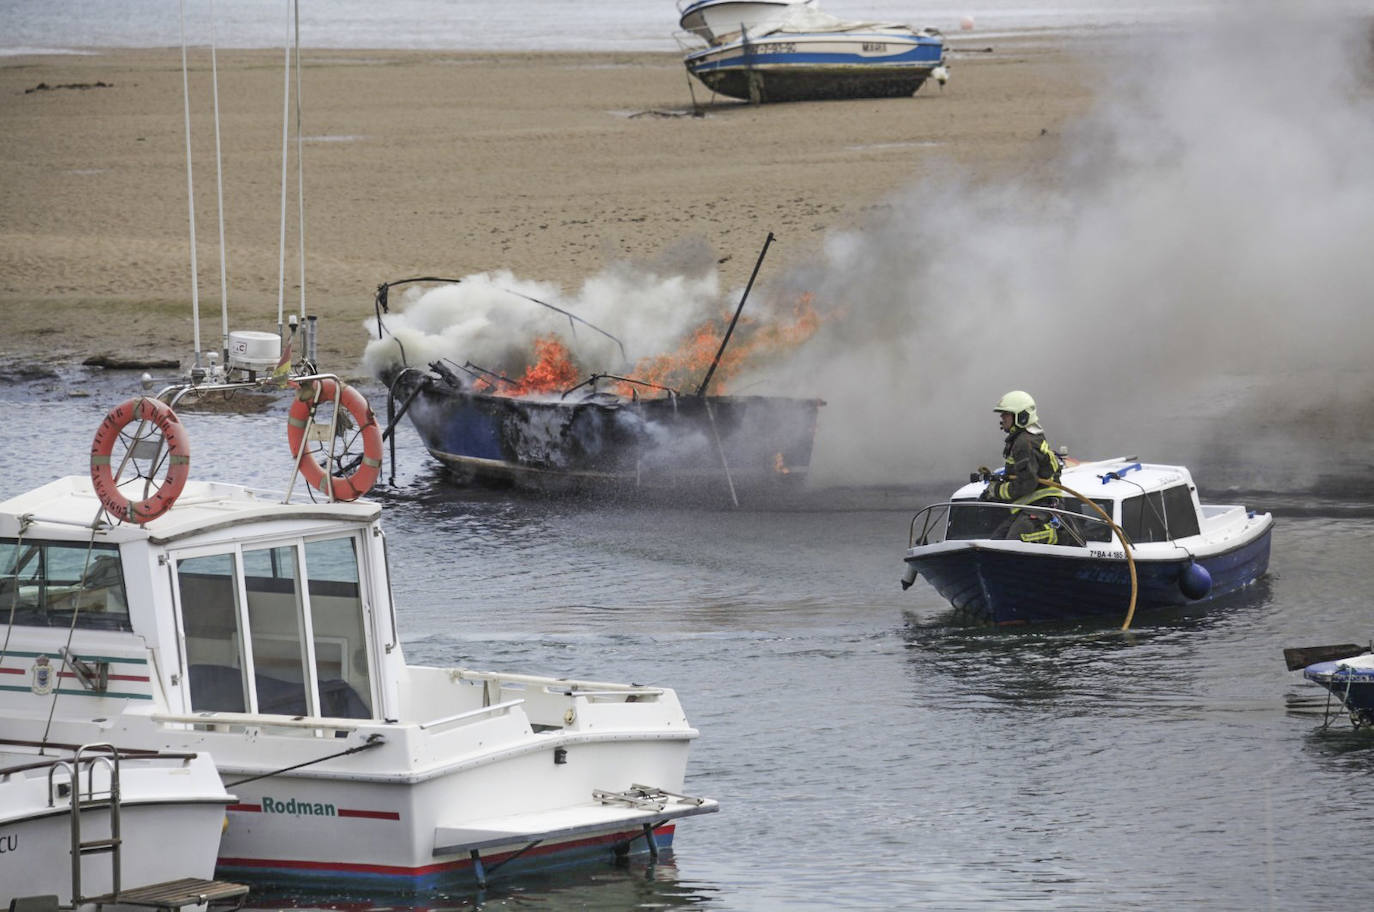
{"type": "Point", "coordinates": [553, 370]}
{"type": "Point", "coordinates": [751, 342]}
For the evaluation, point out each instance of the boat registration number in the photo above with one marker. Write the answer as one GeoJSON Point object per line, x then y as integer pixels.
{"type": "Point", "coordinates": [780, 47]}
{"type": "Point", "coordinates": [1115, 555]}
{"type": "Point", "coordinates": [875, 47]}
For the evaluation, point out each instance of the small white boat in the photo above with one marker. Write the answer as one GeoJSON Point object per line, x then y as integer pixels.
{"type": "Point", "coordinates": [798, 53]}
{"type": "Point", "coordinates": [1176, 549]}
{"type": "Point", "coordinates": [225, 620]}
{"type": "Point", "coordinates": [91, 825]}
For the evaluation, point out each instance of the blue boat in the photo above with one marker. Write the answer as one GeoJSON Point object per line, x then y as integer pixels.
{"type": "Point", "coordinates": [1351, 681]}
{"type": "Point", "coordinates": [607, 434]}
{"type": "Point", "coordinates": [808, 55]}
{"type": "Point", "coordinates": [1161, 548]}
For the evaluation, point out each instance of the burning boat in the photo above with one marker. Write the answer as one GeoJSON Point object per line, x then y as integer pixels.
{"type": "Point", "coordinates": [553, 428]}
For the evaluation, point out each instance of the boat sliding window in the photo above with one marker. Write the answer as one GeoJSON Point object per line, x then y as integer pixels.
{"type": "Point", "coordinates": [56, 584]}
{"type": "Point", "coordinates": [306, 649]}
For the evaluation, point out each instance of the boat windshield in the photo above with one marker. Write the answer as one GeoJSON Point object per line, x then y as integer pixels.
{"type": "Point", "coordinates": [58, 584]}
{"type": "Point", "coordinates": [258, 641]}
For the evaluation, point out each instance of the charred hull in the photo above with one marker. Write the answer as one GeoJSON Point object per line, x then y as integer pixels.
{"type": "Point", "coordinates": [599, 440]}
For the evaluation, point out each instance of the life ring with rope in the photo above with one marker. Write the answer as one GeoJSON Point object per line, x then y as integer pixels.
{"type": "Point", "coordinates": [356, 483]}
{"type": "Point", "coordinates": [160, 414]}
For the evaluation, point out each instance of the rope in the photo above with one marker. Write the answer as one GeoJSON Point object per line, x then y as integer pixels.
{"type": "Point", "coordinates": [1121, 536]}
{"type": "Point", "coordinates": [71, 631]}
{"type": "Point", "coordinates": [372, 741]}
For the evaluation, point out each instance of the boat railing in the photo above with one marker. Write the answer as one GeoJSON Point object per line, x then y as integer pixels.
{"type": "Point", "coordinates": [480, 712]}
{"type": "Point", "coordinates": [234, 720]}
{"type": "Point", "coordinates": [935, 521]}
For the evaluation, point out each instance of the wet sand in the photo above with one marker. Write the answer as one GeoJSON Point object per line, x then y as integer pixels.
{"type": "Point", "coordinates": [553, 166]}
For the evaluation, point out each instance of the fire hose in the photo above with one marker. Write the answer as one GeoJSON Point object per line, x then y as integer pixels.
{"type": "Point", "coordinates": [1121, 536]}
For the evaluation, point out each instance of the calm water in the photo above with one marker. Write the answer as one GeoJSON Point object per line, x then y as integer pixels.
{"type": "Point", "coordinates": [865, 756]}
{"type": "Point", "coordinates": [640, 25]}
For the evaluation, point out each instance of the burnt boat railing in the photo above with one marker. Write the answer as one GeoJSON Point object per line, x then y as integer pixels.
{"type": "Point", "coordinates": [381, 306]}
{"type": "Point", "coordinates": [936, 520]}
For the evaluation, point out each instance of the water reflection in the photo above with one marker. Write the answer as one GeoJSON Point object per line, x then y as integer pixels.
{"type": "Point", "coordinates": [628, 885]}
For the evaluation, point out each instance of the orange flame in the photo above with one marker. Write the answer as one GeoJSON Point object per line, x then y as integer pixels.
{"type": "Point", "coordinates": [752, 341]}
{"type": "Point", "coordinates": [552, 371]}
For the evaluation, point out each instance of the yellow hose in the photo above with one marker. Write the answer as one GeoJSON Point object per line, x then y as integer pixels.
{"type": "Point", "coordinates": [1121, 536]}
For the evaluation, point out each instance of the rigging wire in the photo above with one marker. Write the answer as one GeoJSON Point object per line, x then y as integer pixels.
{"type": "Point", "coordinates": [300, 164]}
{"type": "Point", "coordinates": [219, 186]}
{"type": "Point", "coordinates": [190, 187]}
{"type": "Point", "coordinates": [285, 157]}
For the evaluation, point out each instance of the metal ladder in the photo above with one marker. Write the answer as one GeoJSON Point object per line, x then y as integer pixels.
{"type": "Point", "coordinates": [109, 757]}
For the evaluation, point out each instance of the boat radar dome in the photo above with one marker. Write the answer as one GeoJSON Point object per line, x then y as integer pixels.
{"type": "Point", "coordinates": [254, 351]}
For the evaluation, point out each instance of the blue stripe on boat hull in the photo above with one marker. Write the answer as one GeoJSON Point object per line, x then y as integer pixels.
{"type": "Point", "coordinates": [811, 75]}
{"type": "Point", "coordinates": [458, 873]}
{"type": "Point", "coordinates": [999, 587]}
{"type": "Point", "coordinates": [1354, 687]}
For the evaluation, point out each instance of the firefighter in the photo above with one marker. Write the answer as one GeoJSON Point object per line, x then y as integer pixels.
{"type": "Point", "coordinates": [1032, 470]}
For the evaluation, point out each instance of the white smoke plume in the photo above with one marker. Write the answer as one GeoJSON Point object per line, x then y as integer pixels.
{"type": "Point", "coordinates": [1194, 284]}
{"type": "Point", "coordinates": [488, 320]}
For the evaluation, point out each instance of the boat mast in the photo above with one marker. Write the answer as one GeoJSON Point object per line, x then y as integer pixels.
{"type": "Point", "coordinates": [190, 187]}
{"type": "Point", "coordinates": [701, 390]}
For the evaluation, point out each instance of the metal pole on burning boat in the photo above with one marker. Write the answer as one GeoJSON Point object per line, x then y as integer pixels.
{"type": "Point", "coordinates": [701, 390]}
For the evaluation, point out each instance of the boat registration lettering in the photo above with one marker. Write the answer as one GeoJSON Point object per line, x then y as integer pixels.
{"type": "Point", "coordinates": [298, 808]}
{"type": "Point", "coordinates": [779, 47]}
{"type": "Point", "coordinates": [875, 47]}
{"type": "Point", "coordinates": [9, 842]}
{"type": "Point", "coordinates": [1116, 555]}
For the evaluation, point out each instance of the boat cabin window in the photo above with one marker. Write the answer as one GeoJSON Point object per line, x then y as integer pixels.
{"type": "Point", "coordinates": [973, 521]}
{"type": "Point", "coordinates": [56, 584]}
{"type": "Point", "coordinates": [1180, 512]}
{"type": "Point", "coordinates": [1160, 515]}
{"type": "Point", "coordinates": [259, 641]}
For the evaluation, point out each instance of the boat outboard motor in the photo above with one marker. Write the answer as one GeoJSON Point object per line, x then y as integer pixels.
{"type": "Point", "coordinates": [1194, 581]}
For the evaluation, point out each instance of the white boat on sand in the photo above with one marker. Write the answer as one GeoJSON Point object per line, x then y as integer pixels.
{"type": "Point", "coordinates": [264, 633]}
{"type": "Point", "coordinates": [763, 52]}
{"type": "Point", "coordinates": [87, 826]}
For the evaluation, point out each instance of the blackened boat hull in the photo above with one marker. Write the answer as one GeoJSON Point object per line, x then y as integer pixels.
{"type": "Point", "coordinates": [675, 443]}
{"type": "Point", "coordinates": [1350, 682]}
{"type": "Point", "coordinates": [1031, 584]}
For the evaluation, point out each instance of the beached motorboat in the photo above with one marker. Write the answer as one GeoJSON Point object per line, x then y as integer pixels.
{"type": "Point", "coordinates": [802, 54]}
{"type": "Point", "coordinates": [1176, 550]}
{"type": "Point", "coordinates": [146, 823]}
{"type": "Point", "coordinates": [1347, 672]}
{"type": "Point", "coordinates": [606, 433]}
{"type": "Point", "coordinates": [220, 619]}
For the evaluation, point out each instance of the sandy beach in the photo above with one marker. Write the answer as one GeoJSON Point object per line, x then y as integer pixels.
{"type": "Point", "coordinates": [550, 165]}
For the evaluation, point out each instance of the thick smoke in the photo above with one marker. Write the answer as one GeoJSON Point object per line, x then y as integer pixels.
{"type": "Point", "coordinates": [1192, 285]}
{"type": "Point", "coordinates": [489, 319]}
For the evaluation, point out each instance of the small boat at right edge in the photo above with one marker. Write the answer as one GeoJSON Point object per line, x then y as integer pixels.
{"type": "Point", "coordinates": [1162, 548]}
{"type": "Point", "coordinates": [788, 50]}
{"type": "Point", "coordinates": [1345, 671]}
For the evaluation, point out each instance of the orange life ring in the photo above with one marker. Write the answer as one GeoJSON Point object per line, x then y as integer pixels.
{"type": "Point", "coordinates": [340, 487]}
{"type": "Point", "coordinates": [173, 431]}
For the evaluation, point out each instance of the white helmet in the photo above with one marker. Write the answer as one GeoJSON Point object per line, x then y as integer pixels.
{"type": "Point", "coordinates": [1021, 407]}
